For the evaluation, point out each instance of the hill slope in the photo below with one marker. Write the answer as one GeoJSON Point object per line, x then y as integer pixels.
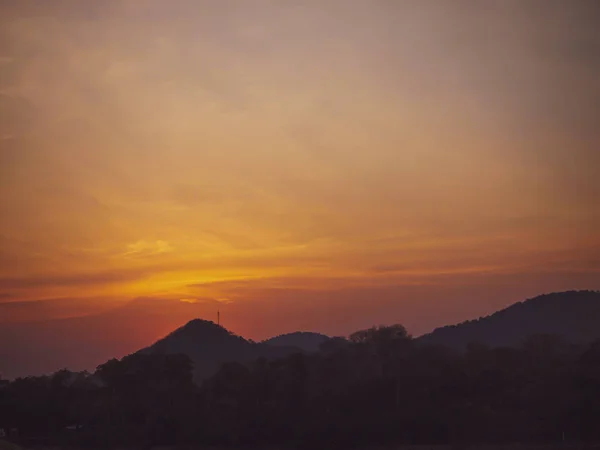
{"type": "Point", "coordinates": [6, 445]}
{"type": "Point", "coordinates": [303, 340]}
{"type": "Point", "coordinates": [210, 345]}
{"type": "Point", "coordinates": [573, 314]}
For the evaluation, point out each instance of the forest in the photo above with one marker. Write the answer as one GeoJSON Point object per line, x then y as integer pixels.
{"type": "Point", "coordinates": [378, 386]}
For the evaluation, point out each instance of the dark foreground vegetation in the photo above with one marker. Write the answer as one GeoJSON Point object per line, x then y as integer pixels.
{"type": "Point", "coordinates": [379, 386]}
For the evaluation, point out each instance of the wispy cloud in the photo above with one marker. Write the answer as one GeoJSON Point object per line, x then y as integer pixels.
{"type": "Point", "coordinates": [77, 279]}
{"type": "Point", "coordinates": [142, 249]}
{"type": "Point", "coordinates": [230, 149]}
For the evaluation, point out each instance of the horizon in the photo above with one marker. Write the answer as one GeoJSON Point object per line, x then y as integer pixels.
{"type": "Point", "coordinates": [93, 362]}
{"type": "Point", "coordinates": [295, 166]}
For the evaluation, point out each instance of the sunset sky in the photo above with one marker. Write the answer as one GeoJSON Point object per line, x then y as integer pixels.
{"type": "Point", "coordinates": [314, 164]}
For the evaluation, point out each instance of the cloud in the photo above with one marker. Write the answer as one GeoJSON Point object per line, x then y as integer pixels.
{"type": "Point", "coordinates": [202, 300]}
{"type": "Point", "coordinates": [298, 150]}
{"type": "Point", "coordinates": [77, 279]}
{"type": "Point", "coordinates": [55, 308]}
{"type": "Point", "coordinates": [142, 249]}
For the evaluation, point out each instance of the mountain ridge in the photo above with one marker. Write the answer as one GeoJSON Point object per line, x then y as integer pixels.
{"type": "Point", "coordinates": [307, 341]}
{"type": "Point", "coordinates": [575, 315]}
{"type": "Point", "coordinates": [210, 345]}
{"type": "Point", "coordinates": [572, 314]}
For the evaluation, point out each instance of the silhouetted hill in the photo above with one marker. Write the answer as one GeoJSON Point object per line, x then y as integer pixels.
{"type": "Point", "coordinates": [5, 445]}
{"type": "Point", "coordinates": [574, 314]}
{"type": "Point", "coordinates": [210, 345]}
{"type": "Point", "coordinates": [303, 340]}
{"type": "Point", "coordinates": [43, 346]}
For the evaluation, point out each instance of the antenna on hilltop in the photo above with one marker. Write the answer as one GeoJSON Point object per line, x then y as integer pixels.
{"type": "Point", "coordinates": [218, 317]}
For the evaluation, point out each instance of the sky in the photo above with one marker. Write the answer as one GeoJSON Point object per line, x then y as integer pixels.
{"type": "Point", "coordinates": [308, 165]}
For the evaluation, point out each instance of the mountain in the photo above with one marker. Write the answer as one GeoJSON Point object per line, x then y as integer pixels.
{"type": "Point", "coordinates": [38, 346]}
{"type": "Point", "coordinates": [210, 345]}
{"type": "Point", "coordinates": [303, 340]}
{"type": "Point", "coordinates": [574, 314]}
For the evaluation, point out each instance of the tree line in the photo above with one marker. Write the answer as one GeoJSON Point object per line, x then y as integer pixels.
{"type": "Point", "coordinates": [378, 386]}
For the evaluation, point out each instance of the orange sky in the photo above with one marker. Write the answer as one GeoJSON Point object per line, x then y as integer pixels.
{"type": "Point", "coordinates": [316, 165]}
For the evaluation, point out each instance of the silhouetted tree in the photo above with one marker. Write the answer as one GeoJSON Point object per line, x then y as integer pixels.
{"type": "Point", "coordinates": [379, 386]}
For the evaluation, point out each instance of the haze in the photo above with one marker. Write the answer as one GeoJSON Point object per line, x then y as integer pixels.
{"type": "Point", "coordinates": [315, 165]}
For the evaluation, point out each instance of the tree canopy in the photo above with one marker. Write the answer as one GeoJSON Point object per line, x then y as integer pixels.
{"type": "Point", "coordinates": [378, 386]}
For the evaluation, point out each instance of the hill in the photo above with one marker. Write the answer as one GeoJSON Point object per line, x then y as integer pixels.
{"type": "Point", "coordinates": [210, 345]}
{"type": "Point", "coordinates": [6, 445]}
{"type": "Point", "coordinates": [575, 315]}
{"type": "Point", "coordinates": [303, 340]}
